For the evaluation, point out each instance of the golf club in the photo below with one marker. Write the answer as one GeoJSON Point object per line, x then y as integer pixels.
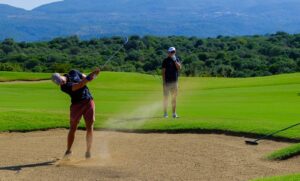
{"type": "Point", "coordinates": [255, 142]}
{"type": "Point", "coordinates": [116, 52]}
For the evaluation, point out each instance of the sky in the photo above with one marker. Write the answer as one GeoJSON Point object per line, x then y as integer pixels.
{"type": "Point", "coordinates": [27, 4]}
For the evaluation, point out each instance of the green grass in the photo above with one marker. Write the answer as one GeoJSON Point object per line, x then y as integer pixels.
{"type": "Point", "coordinates": [253, 105]}
{"type": "Point", "coordinates": [285, 153]}
{"type": "Point", "coordinates": [293, 177]}
{"type": "Point", "coordinates": [21, 76]}
{"type": "Point", "coordinates": [280, 155]}
{"type": "Point", "coordinates": [132, 101]}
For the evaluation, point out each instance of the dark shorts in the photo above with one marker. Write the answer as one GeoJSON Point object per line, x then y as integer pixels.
{"type": "Point", "coordinates": [85, 108]}
{"type": "Point", "coordinates": [171, 88]}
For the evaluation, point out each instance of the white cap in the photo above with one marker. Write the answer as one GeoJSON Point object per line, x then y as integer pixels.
{"type": "Point", "coordinates": [56, 78]}
{"type": "Point", "coordinates": [171, 49]}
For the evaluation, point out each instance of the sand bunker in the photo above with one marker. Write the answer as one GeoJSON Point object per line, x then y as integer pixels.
{"type": "Point", "coordinates": [130, 156]}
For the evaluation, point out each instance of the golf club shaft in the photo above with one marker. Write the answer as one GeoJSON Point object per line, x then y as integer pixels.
{"type": "Point", "coordinates": [271, 134]}
{"type": "Point", "coordinates": [116, 52]}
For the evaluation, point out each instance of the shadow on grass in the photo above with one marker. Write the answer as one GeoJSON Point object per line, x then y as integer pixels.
{"type": "Point", "coordinates": [18, 168]}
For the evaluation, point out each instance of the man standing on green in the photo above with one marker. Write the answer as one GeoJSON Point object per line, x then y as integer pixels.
{"type": "Point", "coordinates": [170, 72]}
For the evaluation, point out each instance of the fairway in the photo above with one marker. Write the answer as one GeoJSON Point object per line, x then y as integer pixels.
{"type": "Point", "coordinates": [21, 76]}
{"type": "Point", "coordinates": [132, 101]}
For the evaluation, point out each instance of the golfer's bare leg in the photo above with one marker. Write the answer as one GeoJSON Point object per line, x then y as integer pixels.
{"type": "Point", "coordinates": [89, 136]}
{"type": "Point", "coordinates": [71, 135]}
{"type": "Point", "coordinates": [89, 118]}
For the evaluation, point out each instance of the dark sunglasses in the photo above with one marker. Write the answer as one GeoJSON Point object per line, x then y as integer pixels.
{"type": "Point", "coordinates": [173, 52]}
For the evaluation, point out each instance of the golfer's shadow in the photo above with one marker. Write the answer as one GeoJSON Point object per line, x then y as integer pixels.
{"type": "Point", "coordinates": [18, 168]}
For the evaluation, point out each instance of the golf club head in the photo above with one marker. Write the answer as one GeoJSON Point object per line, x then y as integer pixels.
{"type": "Point", "coordinates": [248, 142]}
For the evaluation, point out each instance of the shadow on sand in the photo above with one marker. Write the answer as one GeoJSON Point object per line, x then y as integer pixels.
{"type": "Point", "coordinates": [20, 167]}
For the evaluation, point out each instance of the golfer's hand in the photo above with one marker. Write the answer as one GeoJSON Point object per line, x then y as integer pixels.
{"type": "Point", "coordinates": [93, 75]}
{"type": "Point", "coordinates": [96, 71]}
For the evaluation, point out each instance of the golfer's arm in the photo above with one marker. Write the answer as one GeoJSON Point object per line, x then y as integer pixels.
{"type": "Point", "coordinates": [79, 85]}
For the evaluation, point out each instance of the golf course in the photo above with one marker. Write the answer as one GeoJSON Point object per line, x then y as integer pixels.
{"type": "Point", "coordinates": [212, 110]}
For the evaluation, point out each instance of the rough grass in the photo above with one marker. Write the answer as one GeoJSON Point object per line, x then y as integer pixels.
{"type": "Point", "coordinates": [285, 153]}
{"type": "Point", "coordinates": [293, 177]}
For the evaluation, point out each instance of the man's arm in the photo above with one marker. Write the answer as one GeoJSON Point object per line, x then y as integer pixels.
{"type": "Point", "coordinates": [85, 80]}
{"type": "Point", "coordinates": [163, 73]}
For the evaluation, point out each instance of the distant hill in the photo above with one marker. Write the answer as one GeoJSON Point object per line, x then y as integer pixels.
{"type": "Point", "coordinates": [244, 56]}
{"type": "Point", "coordinates": [98, 18]}
{"type": "Point", "coordinates": [9, 10]}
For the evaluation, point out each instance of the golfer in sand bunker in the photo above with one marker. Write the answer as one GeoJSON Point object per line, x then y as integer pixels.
{"type": "Point", "coordinates": [82, 104]}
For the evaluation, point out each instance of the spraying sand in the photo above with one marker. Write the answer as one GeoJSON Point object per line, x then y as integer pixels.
{"type": "Point", "coordinates": [130, 156]}
{"type": "Point", "coordinates": [136, 118]}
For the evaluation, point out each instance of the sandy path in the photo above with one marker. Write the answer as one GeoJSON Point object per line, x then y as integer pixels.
{"type": "Point", "coordinates": [129, 156]}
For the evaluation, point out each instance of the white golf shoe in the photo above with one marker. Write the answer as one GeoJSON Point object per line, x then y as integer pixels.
{"type": "Point", "coordinates": [67, 155]}
{"type": "Point", "coordinates": [166, 115]}
{"type": "Point", "coordinates": [175, 116]}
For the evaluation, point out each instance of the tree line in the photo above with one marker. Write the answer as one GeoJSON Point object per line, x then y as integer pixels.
{"type": "Point", "coordinates": [244, 56]}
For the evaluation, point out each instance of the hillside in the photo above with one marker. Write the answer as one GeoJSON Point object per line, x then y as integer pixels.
{"type": "Point", "coordinates": [98, 18]}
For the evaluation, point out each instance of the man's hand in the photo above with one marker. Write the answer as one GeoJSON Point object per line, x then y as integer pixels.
{"type": "Point", "coordinates": [178, 65]}
{"type": "Point", "coordinates": [174, 58]}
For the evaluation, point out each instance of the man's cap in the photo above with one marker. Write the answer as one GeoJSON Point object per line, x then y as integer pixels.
{"type": "Point", "coordinates": [56, 78]}
{"type": "Point", "coordinates": [172, 49]}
